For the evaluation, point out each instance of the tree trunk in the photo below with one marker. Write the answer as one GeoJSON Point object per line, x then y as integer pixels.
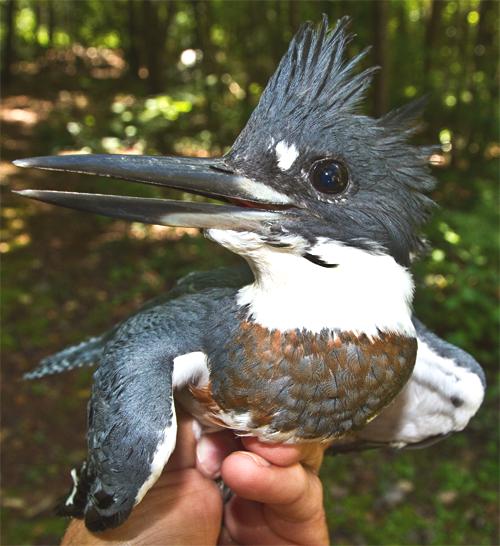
{"type": "Point", "coordinates": [150, 20]}
{"type": "Point", "coordinates": [37, 12]}
{"type": "Point", "coordinates": [293, 15]}
{"type": "Point", "coordinates": [279, 43]}
{"type": "Point", "coordinates": [485, 59]}
{"type": "Point", "coordinates": [465, 49]}
{"type": "Point", "coordinates": [432, 35]}
{"type": "Point", "coordinates": [203, 18]}
{"type": "Point", "coordinates": [51, 22]}
{"type": "Point", "coordinates": [8, 52]}
{"type": "Point", "coordinates": [381, 86]}
{"type": "Point", "coordinates": [488, 17]}
{"type": "Point", "coordinates": [132, 39]}
{"type": "Point", "coordinates": [155, 32]}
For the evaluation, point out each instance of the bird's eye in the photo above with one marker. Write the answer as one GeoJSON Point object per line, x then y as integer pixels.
{"type": "Point", "coordinates": [329, 176]}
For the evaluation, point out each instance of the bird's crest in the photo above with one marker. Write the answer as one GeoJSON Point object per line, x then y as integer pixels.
{"type": "Point", "coordinates": [315, 70]}
{"type": "Point", "coordinates": [313, 79]}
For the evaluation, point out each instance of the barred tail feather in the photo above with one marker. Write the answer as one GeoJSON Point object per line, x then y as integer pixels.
{"type": "Point", "coordinates": [84, 354]}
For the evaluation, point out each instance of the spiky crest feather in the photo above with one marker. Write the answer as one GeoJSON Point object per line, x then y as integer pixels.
{"type": "Point", "coordinates": [314, 71]}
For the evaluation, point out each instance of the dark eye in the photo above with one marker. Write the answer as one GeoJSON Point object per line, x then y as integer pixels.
{"type": "Point", "coordinates": [329, 176]}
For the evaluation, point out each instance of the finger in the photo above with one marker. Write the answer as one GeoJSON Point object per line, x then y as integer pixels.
{"type": "Point", "coordinates": [183, 455]}
{"type": "Point", "coordinates": [212, 449]}
{"type": "Point", "coordinates": [294, 488]}
{"type": "Point", "coordinates": [278, 454]}
{"type": "Point", "coordinates": [310, 454]}
{"type": "Point", "coordinates": [245, 523]}
{"type": "Point", "coordinates": [274, 505]}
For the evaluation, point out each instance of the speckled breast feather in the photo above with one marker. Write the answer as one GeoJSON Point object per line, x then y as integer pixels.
{"type": "Point", "coordinates": [304, 386]}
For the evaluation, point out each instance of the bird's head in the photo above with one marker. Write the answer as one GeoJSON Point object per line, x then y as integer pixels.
{"type": "Point", "coordinates": [306, 169]}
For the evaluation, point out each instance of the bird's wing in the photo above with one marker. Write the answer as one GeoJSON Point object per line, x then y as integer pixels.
{"type": "Point", "coordinates": [131, 416]}
{"type": "Point", "coordinates": [444, 392]}
{"type": "Point", "coordinates": [89, 352]}
{"type": "Point", "coordinates": [197, 281]}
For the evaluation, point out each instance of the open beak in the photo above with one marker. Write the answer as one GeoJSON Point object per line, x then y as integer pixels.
{"type": "Point", "coordinates": [253, 204]}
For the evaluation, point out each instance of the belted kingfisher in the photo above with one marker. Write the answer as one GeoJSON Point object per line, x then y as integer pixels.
{"type": "Point", "coordinates": [315, 341]}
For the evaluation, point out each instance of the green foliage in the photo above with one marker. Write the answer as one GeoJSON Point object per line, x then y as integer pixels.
{"type": "Point", "coordinates": [460, 276]}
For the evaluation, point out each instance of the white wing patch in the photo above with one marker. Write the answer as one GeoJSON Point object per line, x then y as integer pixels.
{"type": "Point", "coordinates": [286, 155]}
{"type": "Point", "coordinates": [160, 457]}
{"type": "Point", "coordinates": [190, 368]}
{"type": "Point", "coordinates": [440, 397]}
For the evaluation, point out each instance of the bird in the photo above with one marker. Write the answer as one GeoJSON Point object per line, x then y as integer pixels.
{"type": "Point", "coordinates": [314, 339]}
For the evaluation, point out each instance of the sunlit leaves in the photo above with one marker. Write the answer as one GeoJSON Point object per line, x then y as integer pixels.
{"type": "Point", "coordinates": [218, 35]}
{"type": "Point", "coordinates": [459, 274]}
{"type": "Point", "coordinates": [438, 255]}
{"type": "Point", "coordinates": [26, 24]}
{"type": "Point", "coordinates": [61, 38]}
{"type": "Point", "coordinates": [13, 233]}
{"type": "Point", "coordinates": [450, 100]}
{"type": "Point", "coordinates": [111, 39]}
{"type": "Point", "coordinates": [410, 91]}
{"type": "Point", "coordinates": [164, 106]}
{"type": "Point", "coordinates": [473, 17]}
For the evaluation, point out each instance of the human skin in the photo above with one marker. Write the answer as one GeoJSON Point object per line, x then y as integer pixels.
{"type": "Point", "coordinates": [277, 497]}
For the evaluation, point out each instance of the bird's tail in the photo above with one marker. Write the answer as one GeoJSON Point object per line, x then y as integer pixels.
{"type": "Point", "coordinates": [84, 354]}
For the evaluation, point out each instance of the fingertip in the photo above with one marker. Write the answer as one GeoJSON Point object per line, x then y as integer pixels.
{"type": "Point", "coordinates": [252, 477]}
{"type": "Point", "coordinates": [278, 454]}
{"type": "Point", "coordinates": [244, 472]}
{"type": "Point", "coordinates": [243, 463]}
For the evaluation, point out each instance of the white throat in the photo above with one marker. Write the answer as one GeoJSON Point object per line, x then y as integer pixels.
{"type": "Point", "coordinates": [365, 293]}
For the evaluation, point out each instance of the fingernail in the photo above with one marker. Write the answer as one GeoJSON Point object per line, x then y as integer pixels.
{"type": "Point", "coordinates": [208, 459]}
{"type": "Point", "coordinates": [259, 461]}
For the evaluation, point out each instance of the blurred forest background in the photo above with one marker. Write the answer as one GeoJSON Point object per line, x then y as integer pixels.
{"type": "Point", "coordinates": [182, 77]}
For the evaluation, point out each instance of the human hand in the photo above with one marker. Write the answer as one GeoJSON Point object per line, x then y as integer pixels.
{"type": "Point", "coordinates": [276, 499]}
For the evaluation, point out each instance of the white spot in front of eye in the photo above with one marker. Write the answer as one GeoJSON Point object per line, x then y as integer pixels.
{"type": "Point", "coordinates": [286, 155]}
